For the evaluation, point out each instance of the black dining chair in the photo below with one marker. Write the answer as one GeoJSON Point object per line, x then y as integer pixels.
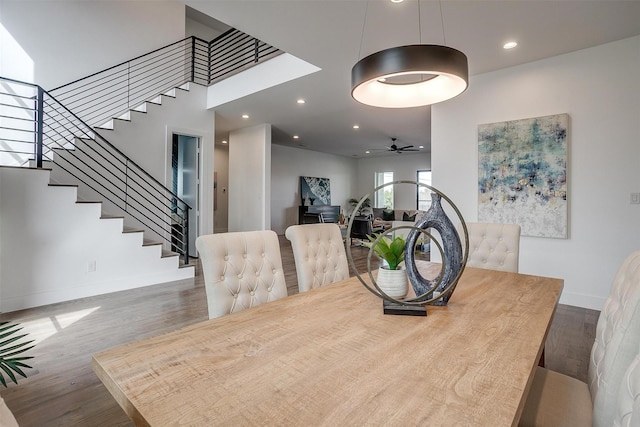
{"type": "Point", "coordinates": [361, 228]}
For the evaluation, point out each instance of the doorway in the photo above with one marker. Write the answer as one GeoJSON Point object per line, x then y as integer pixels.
{"type": "Point", "coordinates": [185, 182]}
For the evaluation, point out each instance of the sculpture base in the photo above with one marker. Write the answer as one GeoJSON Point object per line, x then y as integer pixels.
{"type": "Point", "coordinates": [402, 309]}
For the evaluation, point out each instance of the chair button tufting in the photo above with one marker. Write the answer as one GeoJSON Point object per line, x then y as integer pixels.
{"type": "Point", "coordinates": [244, 256]}
{"type": "Point", "coordinates": [222, 277]}
{"type": "Point", "coordinates": [226, 258]}
{"type": "Point", "coordinates": [252, 293]}
{"type": "Point", "coordinates": [239, 276]}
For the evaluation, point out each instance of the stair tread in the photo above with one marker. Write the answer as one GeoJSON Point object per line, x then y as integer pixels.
{"type": "Point", "coordinates": [107, 216]}
{"type": "Point", "coordinates": [87, 201]}
{"type": "Point", "coordinates": [62, 185]}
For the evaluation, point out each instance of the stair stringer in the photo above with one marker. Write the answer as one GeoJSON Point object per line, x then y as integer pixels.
{"type": "Point", "coordinates": [50, 243]}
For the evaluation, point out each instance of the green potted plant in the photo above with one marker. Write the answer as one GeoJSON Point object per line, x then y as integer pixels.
{"type": "Point", "coordinates": [392, 278]}
{"type": "Point", "coordinates": [365, 204]}
{"type": "Point", "coordinates": [11, 358]}
{"type": "Point", "coordinates": [11, 363]}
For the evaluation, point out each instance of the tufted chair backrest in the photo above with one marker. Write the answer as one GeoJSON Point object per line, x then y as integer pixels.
{"type": "Point", "coordinates": [617, 340]}
{"type": "Point", "coordinates": [493, 246]}
{"type": "Point", "coordinates": [628, 402]}
{"type": "Point", "coordinates": [241, 270]}
{"type": "Point", "coordinates": [319, 254]}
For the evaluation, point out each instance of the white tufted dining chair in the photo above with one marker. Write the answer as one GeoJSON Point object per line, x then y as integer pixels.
{"type": "Point", "coordinates": [612, 393]}
{"type": "Point", "coordinates": [628, 410]}
{"type": "Point", "coordinates": [493, 246]}
{"type": "Point", "coordinates": [319, 254]}
{"type": "Point", "coordinates": [241, 270]}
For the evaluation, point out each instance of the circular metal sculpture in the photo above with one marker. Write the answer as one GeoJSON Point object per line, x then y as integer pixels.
{"type": "Point", "coordinates": [435, 291]}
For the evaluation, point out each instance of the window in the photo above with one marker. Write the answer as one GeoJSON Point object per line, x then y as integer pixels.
{"type": "Point", "coordinates": [424, 194]}
{"type": "Point", "coordinates": [384, 197]}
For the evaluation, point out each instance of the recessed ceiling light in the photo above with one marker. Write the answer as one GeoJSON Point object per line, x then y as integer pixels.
{"type": "Point", "coordinates": [510, 45]}
{"type": "Point", "coordinates": [421, 146]}
{"type": "Point", "coordinates": [397, 1]}
{"type": "Point", "coordinates": [356, 126]}
{"type": "Point", "coordinates": [245, 116]}
{"type": "Point", "coordinates": [367, 152]}
{"type": "Point", "coordinates": [300, 101]}
{"type": "Point", "coordinates": [224, 142]}
{"type": "Point", "coordinates": [296, 137]}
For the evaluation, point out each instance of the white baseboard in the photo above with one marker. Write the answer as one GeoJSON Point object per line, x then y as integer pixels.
{"type": "Point", "coordinates": [581, 300]}
{"type": "Point", "coordinates": [75, 292]}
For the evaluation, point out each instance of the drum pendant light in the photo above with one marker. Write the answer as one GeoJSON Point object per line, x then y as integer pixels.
{"type": "Point", "coordinates": [409, 76]}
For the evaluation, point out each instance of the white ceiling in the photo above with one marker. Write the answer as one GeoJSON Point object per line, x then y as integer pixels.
{"type": "Point", "coordinates": [334, 35]}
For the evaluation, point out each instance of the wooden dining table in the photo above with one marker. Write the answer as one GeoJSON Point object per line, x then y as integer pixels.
{"type": "Point", "coordinates": [330, 357]}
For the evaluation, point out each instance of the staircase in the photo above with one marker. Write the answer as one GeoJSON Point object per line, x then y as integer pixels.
{"type": "Point", "coordinates": [67, 248]}
{"type": "Point", "coordinates": [78, 216]}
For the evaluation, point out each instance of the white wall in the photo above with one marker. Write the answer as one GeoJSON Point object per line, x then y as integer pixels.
{"type": "Point", "coordinates": [404, 167]}
{"type": "Point", "coordinates": [250, 178]}
{"type": "Point", "coordinates": [54, 249]}
{"type": "Point", "coordinates": [598, 88]}
{"type": "Point", "coordinates": [195, 28]}
{"type": "Point", "coordinates": [289, 164]}
{"type": "Point", "coordinates": [146, 139]}
{"type": "Point", "coordinates": [67, 40]}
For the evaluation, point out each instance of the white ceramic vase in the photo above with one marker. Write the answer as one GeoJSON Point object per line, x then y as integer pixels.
{"type": "Point", "coordinates": [394, 283]}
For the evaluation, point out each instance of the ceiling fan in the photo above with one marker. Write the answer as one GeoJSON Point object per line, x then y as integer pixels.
{"type": "Point", "coordinates": [399, 150]}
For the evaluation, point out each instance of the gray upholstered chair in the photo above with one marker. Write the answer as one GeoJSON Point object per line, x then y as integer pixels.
{"type": "Point", "coordinates": [241, 270]}
{"type": "Point", "coordinates": [493, 246]}
{"type": "Point", "coordinates": [319, 254]}
{"type": "Point", "coordinates": [612, 395]}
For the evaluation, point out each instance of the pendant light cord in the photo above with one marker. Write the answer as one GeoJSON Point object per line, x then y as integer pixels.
{"type": "Point", "coordinates": [444, 39]}
{"type": "Point", "coordinates": [364, 24]}
{"type": "Point", "coordinates": [419, 24]}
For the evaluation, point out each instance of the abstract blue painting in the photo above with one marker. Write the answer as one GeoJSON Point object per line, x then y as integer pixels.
{"type": "Point", "coordinates": [522, 174]}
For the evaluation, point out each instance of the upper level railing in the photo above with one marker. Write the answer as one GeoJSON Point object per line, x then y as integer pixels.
{"type": "Point", "coordinates": [35, 127]}
{"type": "Point", "coordinates": [112, 92]}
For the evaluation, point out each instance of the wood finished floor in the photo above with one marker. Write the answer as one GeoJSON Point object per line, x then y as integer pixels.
{"type": "Point", "coordinates": [62, 389]}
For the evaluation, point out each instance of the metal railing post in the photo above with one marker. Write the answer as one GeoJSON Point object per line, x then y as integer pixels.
{"type": "Point", "coordinates": [193, 59]}
{"type": "Point", "coordinates": [129, 85]}
{"type": "Point", "coordinates": [126, 184]}
{"type": "Point", "coordinates": [39, 126]}
{"type": "Point", "coordinates": [255, 51]}
{"type": "Point", "coordinates": [186, 235]}
{"type": "Point", "coordinates": [209, 70]}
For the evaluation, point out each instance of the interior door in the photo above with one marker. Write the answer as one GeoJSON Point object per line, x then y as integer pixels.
{"type": "Point", "coordinates": [187, 185]}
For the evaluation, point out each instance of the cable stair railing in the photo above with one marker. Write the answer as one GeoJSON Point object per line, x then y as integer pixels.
{"type": "Point", "coordinates": [58, 126]}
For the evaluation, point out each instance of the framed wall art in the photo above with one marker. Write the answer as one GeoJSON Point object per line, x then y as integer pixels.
{"type": "Point", "coordinates": [522, 174]}
{"type": "Point", "coordinates": [315, 191]}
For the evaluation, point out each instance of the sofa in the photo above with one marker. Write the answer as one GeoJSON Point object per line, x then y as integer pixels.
{"type": "Point", "coordinates": [400, 218]}
{"type": "Point", "coordinates": [387, 217]}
